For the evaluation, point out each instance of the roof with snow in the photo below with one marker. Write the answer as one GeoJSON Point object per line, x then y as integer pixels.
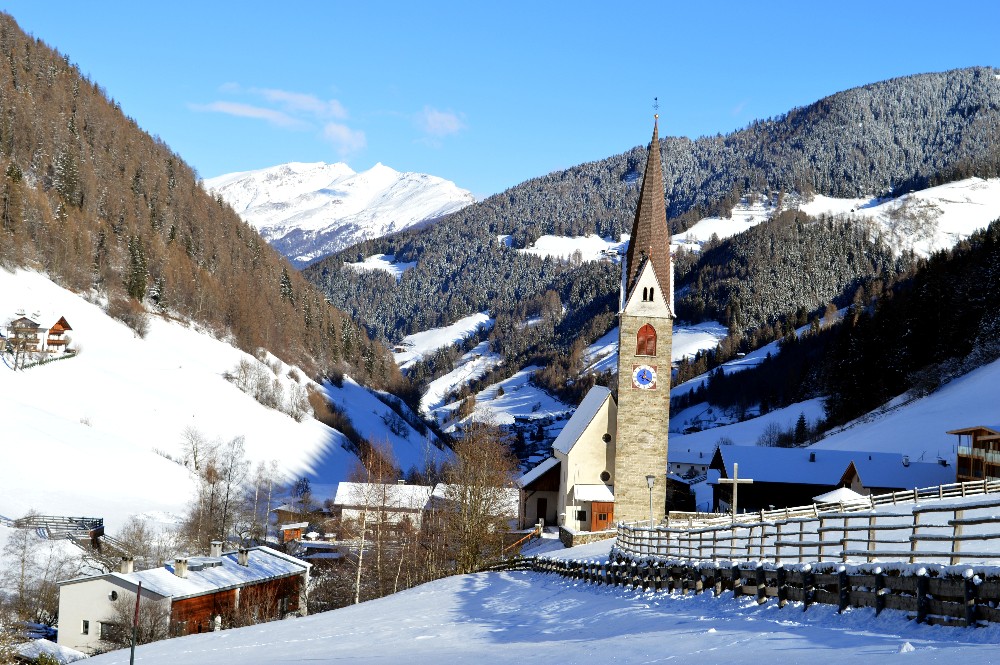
{"type": "Point", "coordinates": [537, 472]}
{"type": "Point", "coordinates": [32, 651]}
{"type": "Point", "coordinates": [404, 497]}
{"type": "Point", "coordinates": [209, 574]}
{"type": "Point", "coordinates": [584, 415]}
{"type": "Point", "coordinates": [840, 495]}
{"type": "Point", "coordinates": [598, 492]}
{"type": "Point", "coordinates": [809, 466]}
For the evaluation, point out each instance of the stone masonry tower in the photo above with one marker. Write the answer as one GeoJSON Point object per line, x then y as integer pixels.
{"type": "Point", "coordinates": [644, 339]}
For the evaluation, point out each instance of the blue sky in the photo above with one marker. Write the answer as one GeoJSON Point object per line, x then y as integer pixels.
{"type": "Point", "coordinates": [487, 94]}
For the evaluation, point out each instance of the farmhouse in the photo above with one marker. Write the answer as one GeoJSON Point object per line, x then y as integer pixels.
{"type": "Point", "coordinates": [784, 477]}
{"type": "Point", "coordinates": [978, 453]}
{"type": "Point", "coordinates": [193, 595]}
{"type": "Point", "coordinates": [28, 336]}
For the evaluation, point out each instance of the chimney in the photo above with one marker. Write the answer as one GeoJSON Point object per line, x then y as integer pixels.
{"type": "Point", "coordinates": [127, 565]}
{"type": "Point", "coordinates": [812, 457]}
{"type": "Point", "coordinates": [215, 549]}
{"type": "Point", "coordinates": [181, 567]}
{"type": "Point", "coordinates": [243, 557]}
{"type": "Point", "coordinates": [906, 460]}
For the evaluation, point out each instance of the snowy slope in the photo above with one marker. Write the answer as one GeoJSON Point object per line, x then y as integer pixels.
{"type": "Point", "coordinates": [81, 435]}
{"type": "Point", "coordinates": [307, 211]}
{"type": "Point", "coordinates": [523, 617]}
{"type": "Point", "coordinates": [924, 221]}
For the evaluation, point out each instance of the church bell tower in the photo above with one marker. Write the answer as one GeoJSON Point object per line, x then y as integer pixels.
{"type": "Point", "coordinates": [644, 362]}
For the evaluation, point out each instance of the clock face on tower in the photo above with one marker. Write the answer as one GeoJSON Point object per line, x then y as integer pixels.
{"type": "Point", "coordinates": [644, 377]}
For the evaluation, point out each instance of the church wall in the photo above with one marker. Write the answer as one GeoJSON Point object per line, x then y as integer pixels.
{"type": "Point", "coordinates": [587, 459]}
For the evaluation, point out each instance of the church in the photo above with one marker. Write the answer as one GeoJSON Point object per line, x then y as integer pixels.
{"type": "Point", "coordinates": [609, 463]}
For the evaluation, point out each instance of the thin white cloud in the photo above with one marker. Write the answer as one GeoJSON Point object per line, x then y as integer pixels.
{"type": "Point", "coordinates": [439, 123]}
{"type": "Point", "coordinates": [343, 138]}
{"type": "Point", "coordinates": [298, 102]}
{"type": "Point", "coordinates": [272, 116]}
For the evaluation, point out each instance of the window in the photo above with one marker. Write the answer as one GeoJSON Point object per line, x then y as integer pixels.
{"type": "Point", "coordinates": [605, 476]}
{"type": "Point", "coordinates": [602, 517]}
{"type": "Point", "coordinates": [645, 341]}
{"type": "Point", "coordinates": [581, 516]}
{"type": "Point", "coordinates": [647, 294]}
{"type": "Point", "coordinates": [86, 627]}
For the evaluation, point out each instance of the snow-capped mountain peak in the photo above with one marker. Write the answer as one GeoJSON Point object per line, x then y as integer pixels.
{"type": "Point", "coordinates": [309, 210]}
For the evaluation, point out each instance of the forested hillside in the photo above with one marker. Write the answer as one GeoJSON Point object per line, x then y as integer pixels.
{"type": "Point", "coordinates": [879, 139]}
{"type": "Point", "coordinates": [100, 206]}
{"type": "Point", "coordinates": [909, 334]}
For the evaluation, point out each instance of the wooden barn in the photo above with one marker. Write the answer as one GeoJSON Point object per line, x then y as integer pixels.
{"type": "Point", "coordinates": [192, 595]}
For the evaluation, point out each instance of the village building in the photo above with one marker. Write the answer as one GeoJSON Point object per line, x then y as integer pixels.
{"type": "Point", "coordinates": [611, 458]}
{"type": "Point", "coordinates": [978, 453]}
{"type": "Point", "coordinates": [787, 477]}
{"type": "Point", "coordinates": [28, 336]}
{"type": "Point", "coordinates": [395, 504]}
{"type": "Point", "coordinates": [193, 595]}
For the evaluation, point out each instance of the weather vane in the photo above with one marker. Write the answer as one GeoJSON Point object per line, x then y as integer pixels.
{"type": "Point", "coordinates": [656, 106]}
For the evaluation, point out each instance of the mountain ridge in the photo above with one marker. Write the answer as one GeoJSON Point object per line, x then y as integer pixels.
{"type": "Point", "coordinates": [309, 210]}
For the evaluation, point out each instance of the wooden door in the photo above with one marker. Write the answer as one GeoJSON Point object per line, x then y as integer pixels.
{"type": "Point", "coordinates": [602, 515]}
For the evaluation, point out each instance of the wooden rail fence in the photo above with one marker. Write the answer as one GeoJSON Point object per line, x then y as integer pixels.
{"type": "Point", "coordinates": [956, 600]}
{"type": "Point", "coordinates": [882, 528]}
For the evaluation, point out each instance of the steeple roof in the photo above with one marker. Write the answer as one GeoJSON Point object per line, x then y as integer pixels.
{"type": "Point", "coordinates": [650, 234]}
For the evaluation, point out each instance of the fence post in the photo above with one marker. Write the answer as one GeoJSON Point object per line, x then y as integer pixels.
{"type": "Point", "coordinates": [956, 544]}
{"type": "Point", "coordinates": [808, 587]}
{"type": "Point", "coordinates": [843, 590]}
{"type": "Point", "coordinates": [922, 596]}
{"type": "Point", "coordinates": [761, 585]}
{"type": "Point", "coordinates": [737, 579]}
{"type": "Point", "coordinates": [880, 591]}
{"type": "Point", "coordinates": [782, 587]}
{"type": "Point", "coordinates": [716, 579]}
{"type": "Point", "coordinates": [970, 599]}
{"type": "Point", "coordinates": [913, 540]}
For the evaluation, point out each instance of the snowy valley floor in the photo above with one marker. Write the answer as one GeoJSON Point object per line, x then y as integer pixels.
{"type": "Point", "coordinates": [523, 617]}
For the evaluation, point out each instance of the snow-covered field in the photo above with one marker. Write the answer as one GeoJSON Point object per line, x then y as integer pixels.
{"type": "Point", "coordinates": [418, 345]}
{"type": "Point", "coordinates": [385, 263]}
{"type": "Point", "coordinates": [924, 221]}
{"type": "Point", "coordinates": [310, 210]}
{"type": "Point", "coordinates": [88, 435]}
{"type": "Point", "coordinates": [522, 617]}
{"type": "Point", "coordinates": [591, 247]}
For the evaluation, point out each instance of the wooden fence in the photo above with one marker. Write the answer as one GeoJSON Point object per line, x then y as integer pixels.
{"type": "Point", "coordinates": [889, 527]}
{"type": "Point", "coordinates": [957, 600]}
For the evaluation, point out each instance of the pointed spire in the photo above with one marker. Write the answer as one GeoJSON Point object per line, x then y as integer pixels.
{"type": "Point", "coordinates": [650, 234]}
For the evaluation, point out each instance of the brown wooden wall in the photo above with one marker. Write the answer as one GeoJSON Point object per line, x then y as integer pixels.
{"type": "Point", "coordinates": [194, 615]}
{"type": "Point", "coordinates": [255, 603]}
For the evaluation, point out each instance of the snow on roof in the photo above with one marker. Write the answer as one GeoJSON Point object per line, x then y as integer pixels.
{"type": "Point", "coordinates": [599, 492]}
{"type": "Point", "coordinates": [263, 563]}
{"type": "Point", "coordinates": [535, 473]}
{"type": "Point", "coordinates": [840, 495]}
{"type": "Point", "coordinates": [810, 466]}
{"type": "Point", "coordinates": [510, 496]}
{"type": "Point", "coordinates": [294, 525]}
{"type": "Point", "coordinates": [581, 419]}
{"type": "Point", "coordinates": [35, 649]}
{"type": "Point", "coordinates": [969, 430]}
{"type": "Point", "coordinates": [404, 497]}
